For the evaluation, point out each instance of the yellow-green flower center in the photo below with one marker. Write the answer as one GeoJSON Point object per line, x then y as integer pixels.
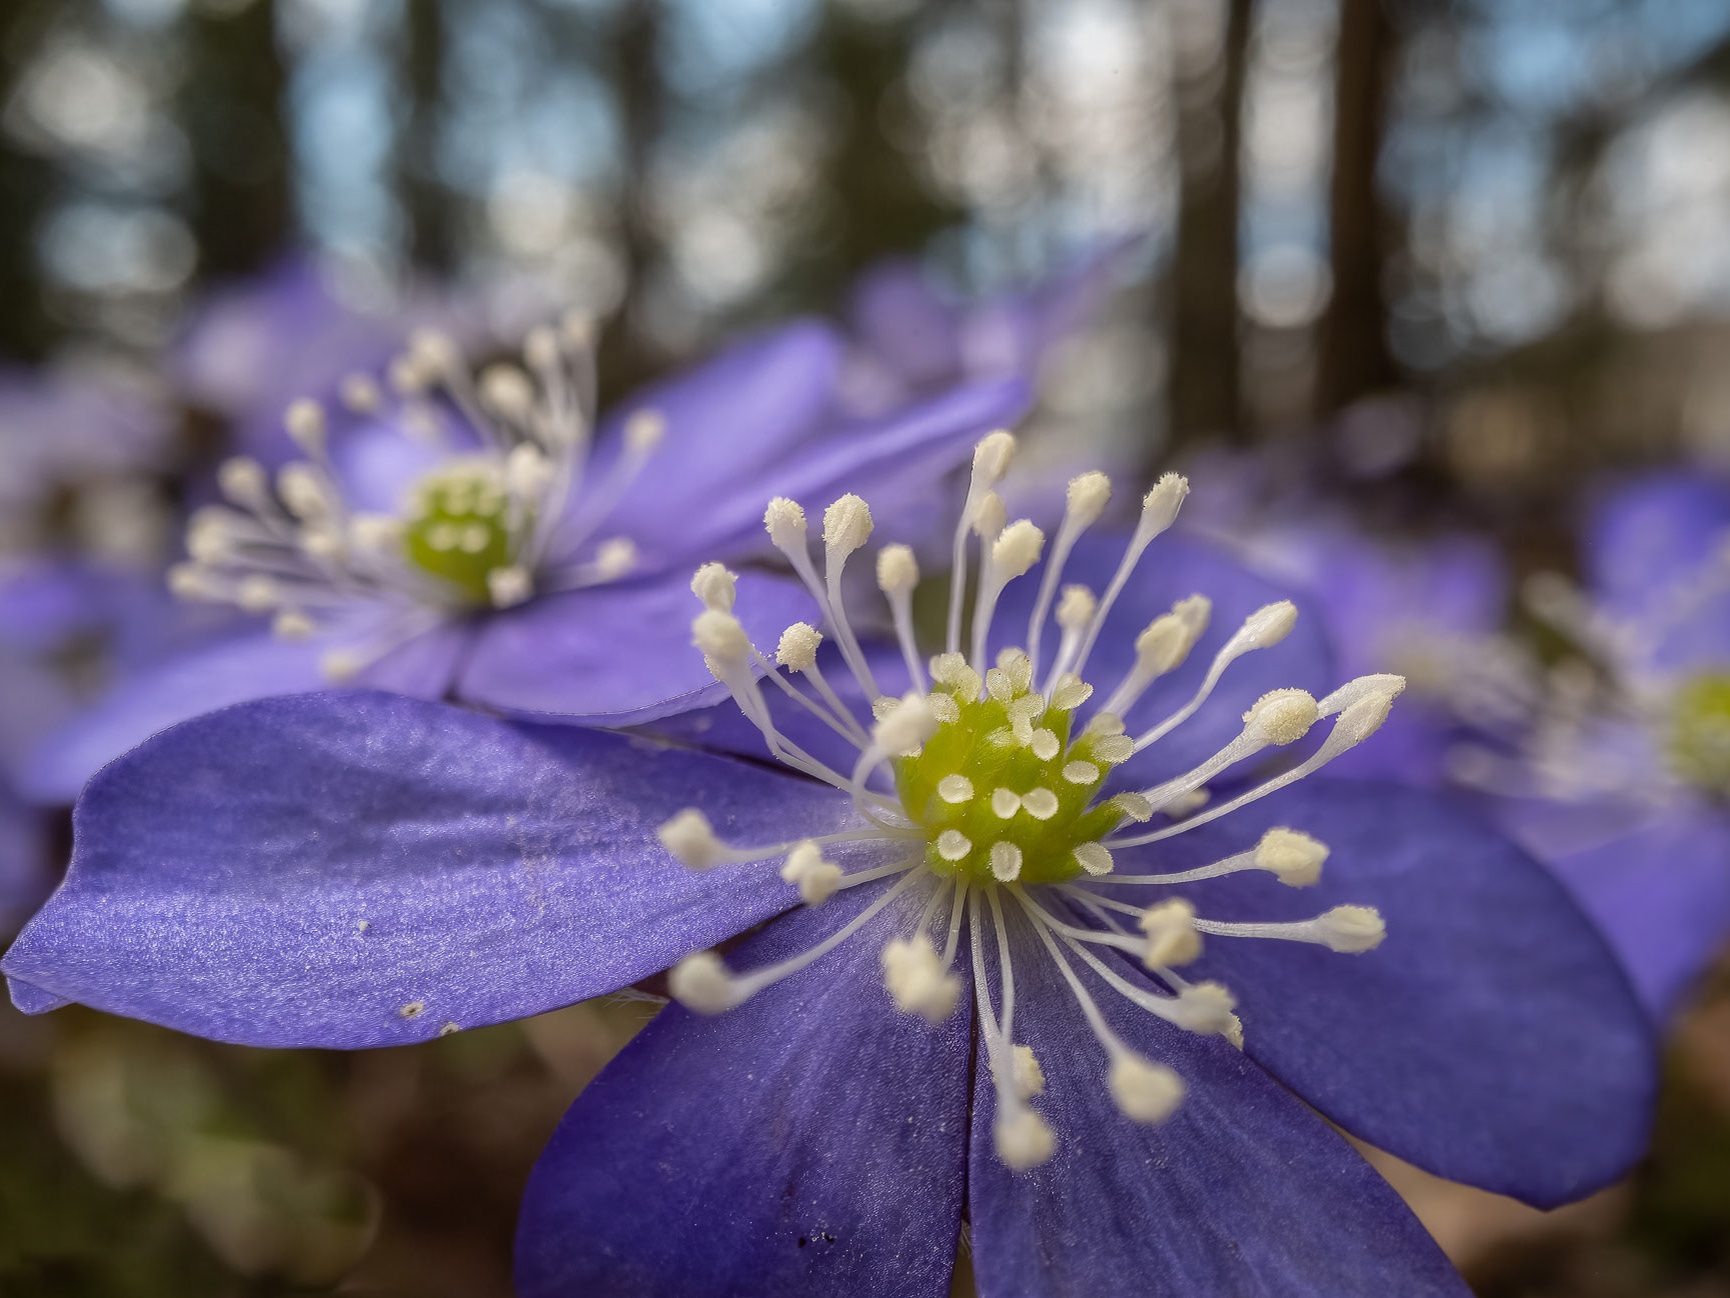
{"type": "Point", "coordinates": [1002, 789]}
{"type": "Point", "coordinates": [459, 527]}
{"type": "Point", "coordinates": [1699, 739]}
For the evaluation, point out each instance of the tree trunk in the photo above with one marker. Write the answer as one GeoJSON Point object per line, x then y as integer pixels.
{"type": "Point", "coordinates": [1203, 386]}
{"type": "Point", "coordinates": [1355, 360]}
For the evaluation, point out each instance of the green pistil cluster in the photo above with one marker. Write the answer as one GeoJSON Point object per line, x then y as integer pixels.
{"type": "Point", "coordinates": [1700, 732]}
{"type": "Point", "coordinates": [459, 527]}
{"type": "Point", "coordinates": [1003, 770]}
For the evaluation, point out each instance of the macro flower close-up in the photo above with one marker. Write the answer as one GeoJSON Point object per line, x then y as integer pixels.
{"type": "Point", "coordinates": [864, 649]}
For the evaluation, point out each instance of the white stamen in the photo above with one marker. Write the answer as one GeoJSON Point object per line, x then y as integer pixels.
{"type": "Point", "coordinates": [1347, 929]}
{"type": "Point", "coordinates": [691, 841]}
{"type": "Point", "coordinates": [509, 586]}
{"type": "Point", "coordinates": [897, 575]}
{"type": "Point", "coordinates": [1266, 626]}
{"type": "Point", "coordinates": [1158, 508]}
{"type": "Point", "coordinates": [1294, 856]}
{"type": "Point", "coordinates": [1144, 1091]}
{"type": "Point", "coordinates": [1029, 1077]}
{"type": "Point", "coordinates": [1162, 647]}
{"type": "Point", "coordinates": [307, 425]}
{"type": "Point", "coordinates": [905, 727]}
{"type": "Point", "coordinates": [720, 637]}
{"type": "Point", "coordinates": [292, 624]}
{"type": "Point", "coordinates": [244, 481]}
{"type": "Point", "coordinates": [716, 587]}
{"type": "Point", "coordinates": [797, 650]}
{"type": "Point", "coordinates": [700, 982]}
{"type": "Point", "coordinates": [918, 980]}
{"type": "Point", "coordinates": [991, 458]}
{"type": "Point", "coordinates": [1022, 1139]}
{"type": "Point", "coordinates": [815, 878]}
{"type": "Point", "coordinates": [1172, 938]}
{"type": "Point", "coordinates": [1084, 502]}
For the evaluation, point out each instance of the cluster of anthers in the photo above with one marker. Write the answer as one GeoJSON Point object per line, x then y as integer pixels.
{"type": "Point", "coordinates": [1609, 720]}
{"type": "Point", "coordinates": [987, 794]}
{"type": "Point", "coordinates": [502, 514]}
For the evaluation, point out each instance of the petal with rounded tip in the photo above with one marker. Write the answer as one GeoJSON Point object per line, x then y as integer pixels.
{"type": "Point", "coordinates": [354, 869]}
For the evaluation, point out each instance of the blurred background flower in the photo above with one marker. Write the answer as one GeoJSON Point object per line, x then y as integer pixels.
{"type": "Point", "coordinates": [1418, 291]}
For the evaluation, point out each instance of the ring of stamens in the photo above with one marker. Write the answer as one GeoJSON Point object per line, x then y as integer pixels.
{"type": "Point", "coordinates": [989, 793]}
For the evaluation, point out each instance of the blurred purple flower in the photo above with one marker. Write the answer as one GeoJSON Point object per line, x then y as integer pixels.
{"type": "Point", "coordinates": [481, 538]}
{"type": "Point", "coordinates": [359, 869]}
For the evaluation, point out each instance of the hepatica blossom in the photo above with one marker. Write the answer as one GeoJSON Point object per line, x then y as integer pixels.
{"type": "Point", "coordinates": [1010, 974]}
{"type": "Point", "coordinates": [1614, 763]}
{"type": "Point", "coordinates": [481, 537]}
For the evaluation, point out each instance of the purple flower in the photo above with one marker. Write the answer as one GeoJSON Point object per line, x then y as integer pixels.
{"type": "Point", "coordinates": [481, 538]}
{"type": "Point", "coordinates": [1060, 1053]}
{"type": "Point", "coordinates": [910, 337]}
{"type": "Point", "coordinates": [1619, 772]}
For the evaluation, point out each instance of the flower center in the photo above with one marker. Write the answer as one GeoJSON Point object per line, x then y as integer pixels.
{"type": "Point", "coordinates": [1001, 789]}
{"type": "Point", "coordinates": [1699, 732]}
{"type": "Point", "coordinates": [460, 528]}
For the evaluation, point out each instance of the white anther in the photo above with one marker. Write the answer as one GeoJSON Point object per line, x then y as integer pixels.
{"type": "Point", "coordinates": [1167, 640]}
{"type": "Point", "coordinates": [720, 637]}
{"type": "Point", "coordinates": [1016, 549]}
{"type": "Point", "coordinates": [691, 840]}
{"type": "Point", "coordinates": [1362, 718]}
{"type": "Point", "coordinates": [614, 558]}
{"type": "Point", "coordinates": [243, 480]}
{"type": "Point", "coordinates": [944, 707]}
{"type": "Point", "coordinates": [991, 457]}
{"type": "Point", "coordinates": [435, 352]}
{"type": "Point", "coordinates": [1160, 505]}
{"type": "Point", "coordinates": [1144, 1090]}
{"type": "Point", "coordinates": [897, 569]}
{"type": "Point", "coordinates": [1293, 856]}
{"type": "Point", "coordinates": [508, 391]}
{"type": "Point", "coordinates": [1022, 1138]}
{"type": "Point", "coordinates": [1263, 628]}
{"type": "Point", "coordinates": [989, 516]}
{"type": "Point", "coordinates": [1351, 929]}
{"type": "Point", "coordinates": [509, 586]}
{"type": "Point", "coordinates": [1045, 745]}
{"type": "Point", "coordinates": [1172, 938]}
{"type": "Point", "coordinates": [797, 650]}
{"type": "Point", "coordinates": [1005, 861]}
{"type": "Point", "coordinates": [1086, 498]}
{"type": "Point", "coordinates": [955, 789]}
{"type": "Point", "coordinates": [577, 328]}
{"type": "Point", "coordinates": [715, 586]}
{"type": "Point", "coordinates": [1018, 665]}
{"type": "Point", "coordinates": [375, 534]}
{"type": "Point", "coordinates": [302, 491]}
{"type": "Point", "coordinates": [1075, 607]}
{"type": "Point", "coordinates": [645, 430]}
{"type": "Point", "coordinates": [1361, 687]}
{"type": "Point", "coordinates": [917, 979]}
{"type": "Point", "coordinates": [904, 727]}
{"type": "Point", "coordinates": [846, 525]}
{"type": "Point", "coordinates": [360, 394]}
{"type": "Point", "coordinates": [208, 537]}
{"type": "Point", "coordinates": [815, 878]}
{"type": "Point", "coordinates": [785, 522]}
{"type": "Point", "coordinates": [257, 593]}
{"type": "Point", "coordinates": [1082, 773]}
{"type": "Point", "coordinates": [701, 983]}
{"type": "Point", "coordinates": [306, 423]}
{"type": "Point", "coordinates": [1205, 1007]}
{"type": "Point", "coordinates": [1071, 693]}
{"type": "Point", "coordinates": [1281, 717]}
{"type": "Point", "coordinates": [541, 348]}
{"type": "Point", "coordinates": [953, 845]}
{"type": "Point", "coordinates": [189, 581]}
{"type": "Point", "coordinates": [1005, 803]}
{"type": "Point", "coordinates": [527, 471]}
{"type": "Point", "coordinates": [1028, 1076]}
{"type": "Point", "coordinates": [474, 538]}
{"type": "Point", "coordinates": [341, 665]}
{"type": "Point", "coordinates": [1095, 858]}
{"type": "Point", "coordinates": [405, 374]}
{"type": "Point", "coordinates": [1040, 803]}
{"type": "Point", "coordinates": [292, 624]}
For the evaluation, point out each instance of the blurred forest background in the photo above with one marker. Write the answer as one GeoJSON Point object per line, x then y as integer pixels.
{"type": "Point", "coordinates": [1467, 255]}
